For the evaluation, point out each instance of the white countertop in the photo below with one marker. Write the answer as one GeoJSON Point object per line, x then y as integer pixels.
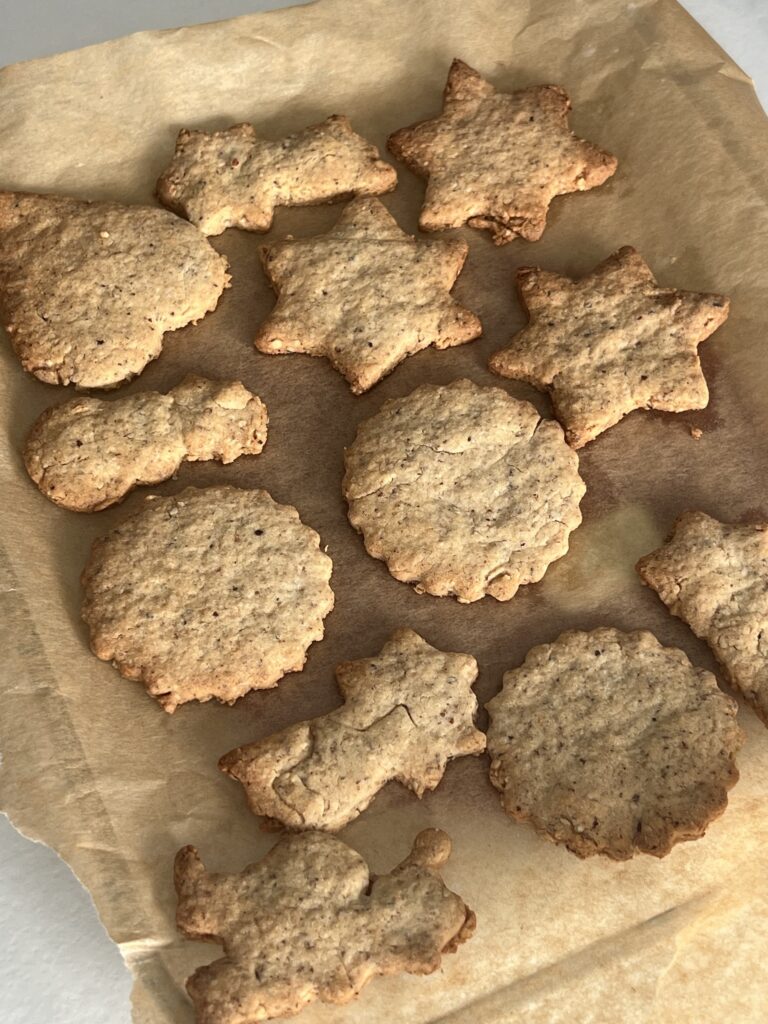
{"type": "Point", "coordinates": [57, 965]}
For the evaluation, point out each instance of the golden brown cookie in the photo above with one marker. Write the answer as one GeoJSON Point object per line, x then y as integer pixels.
{"type": "Point", "coordinates": [87, 290]}
{"type": "Point", "coordinates": [611, 342]}
{"type": "Point", "coordinates": [309, 922]}
{"type": "Point", "coordinates": [88, 454]}
{"type": "Point", "coordinates": [496, 160]}
{"type": "Point", "coordinates": [233, 178]}
{"type": "Point", "coordinates": [609, 743]}
{"type": "Point", "coordinates": [407, 712]}
{"type": "Point", "coordinates": [714, 576]}
{"type": "Point", "coordinates": [210, 593]}
{"type": "Point", "coordinates": [463, 490]}
{"type": "Point", "coordinates": [366, 295]}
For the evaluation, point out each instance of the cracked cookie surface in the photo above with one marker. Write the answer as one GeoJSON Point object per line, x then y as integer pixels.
{"type": "Point", "coordinates": [88, 289]}
{"type": "Point", "coordinates": [365, 295]}
{"type": "Point", "coordinates": [88, 453]}
{"type": "Point", "coordinates": [609, 743]}
{"type": "Point", "coordinates": [310, 922]}
{"type": "Point", "coordinates": [714, 576]}
{"type": "Point", "coordinates": [463, 490]}
{"type": "Point", "coordinates": [496, 160]}
{"type": "Point", "coordinates": [207, 594]}
{"type": "Point", "coordinates": [611, 342]}
{"type": "Point", "coordinates": [233, 178]}
{"type": "Point", "coordinates": [407, 712]}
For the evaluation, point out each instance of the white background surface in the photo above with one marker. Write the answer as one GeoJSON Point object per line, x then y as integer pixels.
{"type": "Point", "coordinates": [57, 965]}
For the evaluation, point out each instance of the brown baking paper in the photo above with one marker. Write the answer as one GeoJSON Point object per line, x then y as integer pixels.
{"type": "Point", "coordinates": [94, 768]}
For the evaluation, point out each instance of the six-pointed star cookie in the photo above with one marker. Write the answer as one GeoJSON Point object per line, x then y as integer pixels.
{"type": "Point", "coordinates": [407, 712]}
{"type": "Point", "coordinates": [611, 342]}
{"type": "Point", "coordinates": [365, 294]}
{"type": "Point", "coordinates": [87, 290]}
{"type": "Point", "coordinates": [309, 922]}
{"type": "Point", "coordinates": [497, 160]}
{"type": "Point", "coordinates": [609, 743]}
{"type": "Point", "coordinates": [207, 594]}
{"type": "Point", "coordinates": [714, 576]}
{"type": "Point", "coordinates": [232, 178]}
{"type": "Point", "coordinates": [463, 490]}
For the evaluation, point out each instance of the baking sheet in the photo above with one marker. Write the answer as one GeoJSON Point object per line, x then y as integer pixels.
{"type": "Point", "coordinates": [95, 769]}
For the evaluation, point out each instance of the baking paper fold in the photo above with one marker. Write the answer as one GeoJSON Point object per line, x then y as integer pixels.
{"type": "Point", "coordinates": [94, 768]}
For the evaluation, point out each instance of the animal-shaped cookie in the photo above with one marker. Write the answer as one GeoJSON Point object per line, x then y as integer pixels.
{"type": "Point", "coordinates": [496, 160]}
{"type": "Point", "coordinates": [89, 453]}
{"type": "Point", "coordinates": [234, 178]}
{"type": "Point", "coordinates": [309, 922]}
{"type": "Point", "coordinates": [87, 290]}
{"type": "Point", "coordinates": [407, 712]}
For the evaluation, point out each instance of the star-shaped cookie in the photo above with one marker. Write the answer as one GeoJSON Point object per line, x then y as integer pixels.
{"type": "Point", "coordinates": [234, 178]}
{"type": "Point", "coordinates": [407, 712]}
{"type": "Point", "coordinates": [714, 576]}
{"type": "Point", "coordinates": [365, 295]}
{"type": "Point", "coordinates": [496, 160]}
{"type": "Point", "coordinates": [611, 342]}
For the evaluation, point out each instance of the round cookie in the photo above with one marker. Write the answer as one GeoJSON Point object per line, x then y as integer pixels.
{"type": "Point", "coordinates": [610, 743]}
{"type": "Point", "coordinates": [463, 490]}
{"type": "Point", "coordinates": [210, 593]}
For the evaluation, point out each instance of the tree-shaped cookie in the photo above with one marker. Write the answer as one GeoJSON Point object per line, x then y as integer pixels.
{"type": "Point", "coordinates": [309, 922]}
{"type": "Point", "coordinates": [88, 453]}
{"type": "Point", "coordinates": [714, 576]}
{"type": "Point", "coordinates": [496, 160]}
{"type": "Point", "coordinates": [610, 342]}
{"type": "Point", "coordinates": [365, 295]}
{"type": "Point", "coordinates": [87, 290]}
{"type": "Point", "coordinates": [407, 712]}
{"type": "Point", "coordinates": [234, 178]}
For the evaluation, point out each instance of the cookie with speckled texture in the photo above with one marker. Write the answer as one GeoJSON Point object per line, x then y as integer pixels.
{"type": "Point", "coordinates": [407, 712]}
{"type": "Point", "coordinates": [210, 593]}
{"type": "Point", "coordinates": [88, 454]}
{"type": "Point", "coordinates": [463, 490]}
{"type": "Point", "coordinates": [609, 743]}
{"type": "Point", "coordinates": [611, 342]}
{"type": "Point", "coordinates": [310, 922]}
{"type": "Point", "coordinates": [714, 576]}
{"type": "Point", "coordinates": [366, 295]}
{"type": "Point", "coordinates": [496, 160]}
{"type": "Point", "coordinates": [87, 290]}
{"type": "Point", "coordinates": [233, 178]}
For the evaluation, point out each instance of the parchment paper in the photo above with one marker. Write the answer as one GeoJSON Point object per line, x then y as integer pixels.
{"type": "Point", "coordinates": [94, 768]}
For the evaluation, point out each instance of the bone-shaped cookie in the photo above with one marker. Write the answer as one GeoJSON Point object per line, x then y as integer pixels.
{"type": "Point", "coordinates": [89, 453]}
{"type": "Point", "coordinates": [309, 922]}
{"type": "Point", "coordinates": [407, 712]}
